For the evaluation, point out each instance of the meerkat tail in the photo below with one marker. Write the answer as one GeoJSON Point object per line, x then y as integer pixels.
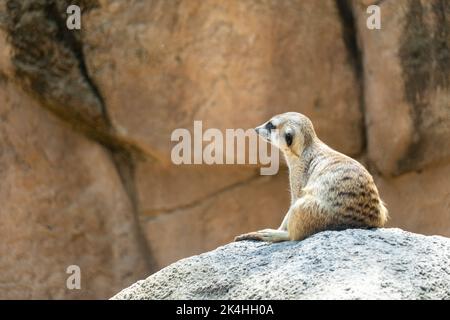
{"type": "Point", "coordinates": [384, 213]}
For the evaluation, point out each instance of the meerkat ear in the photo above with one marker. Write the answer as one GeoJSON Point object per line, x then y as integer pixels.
{"type": "Point", "coordinates": [289, 136]}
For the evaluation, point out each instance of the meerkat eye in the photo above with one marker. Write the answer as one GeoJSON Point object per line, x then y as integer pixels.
{"type": "Point", "coordinates": [288, 136]}
{"type": "Point", "coordinates": [270, 126]}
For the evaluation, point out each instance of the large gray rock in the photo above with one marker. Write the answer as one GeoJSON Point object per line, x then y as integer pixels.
{"type": "Point", "coordinates": [350, 264]}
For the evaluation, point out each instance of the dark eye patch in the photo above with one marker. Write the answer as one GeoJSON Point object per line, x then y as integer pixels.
{"type": "Point", "coordinates": [289, 138]}
{"type": "Point", "coordinates": [269, 126]}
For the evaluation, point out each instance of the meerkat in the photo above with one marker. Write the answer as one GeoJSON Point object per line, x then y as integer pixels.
{"type": "Point", "coordinates": [329, 190]}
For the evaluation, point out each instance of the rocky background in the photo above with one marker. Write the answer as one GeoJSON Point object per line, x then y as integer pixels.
{"type": "Point", "coordinates": [86, 117]}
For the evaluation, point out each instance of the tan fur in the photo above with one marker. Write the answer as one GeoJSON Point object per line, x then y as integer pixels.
{"type": "Point", "coordinates": [329, 191]}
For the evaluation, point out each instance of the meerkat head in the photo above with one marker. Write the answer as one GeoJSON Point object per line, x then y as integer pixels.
{"type": "Point", "coordinates": [291, 132]}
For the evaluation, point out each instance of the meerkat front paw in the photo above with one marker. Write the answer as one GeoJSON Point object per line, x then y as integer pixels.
{"type": "Point", "coordinates": [249, 236]}
{"type": "Point", "coordinates": [269, 235]}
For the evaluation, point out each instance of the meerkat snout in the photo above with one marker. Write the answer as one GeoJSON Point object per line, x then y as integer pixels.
{"type": "Point", "coordinates": [265, 130]}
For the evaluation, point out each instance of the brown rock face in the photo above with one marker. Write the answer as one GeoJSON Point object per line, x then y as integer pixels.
{"type": "Point", "coordinates": [217, 218]}
{"type": "Point", "coordinates": [47, 58]}
{"type": "Point", "coordinates": [419, 201]}
{"type": "Point", "coordinates": [62, 204]}
{"type": "Point", "coordinates": [231, 64]}
{"type": "Point", "coordinates": [86, 118]}
{"type": "Point", "coordinates": [406, 78]}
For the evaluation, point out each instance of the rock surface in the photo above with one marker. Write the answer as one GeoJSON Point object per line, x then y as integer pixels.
{"type": "Point", "coordinates": [350, 264]}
